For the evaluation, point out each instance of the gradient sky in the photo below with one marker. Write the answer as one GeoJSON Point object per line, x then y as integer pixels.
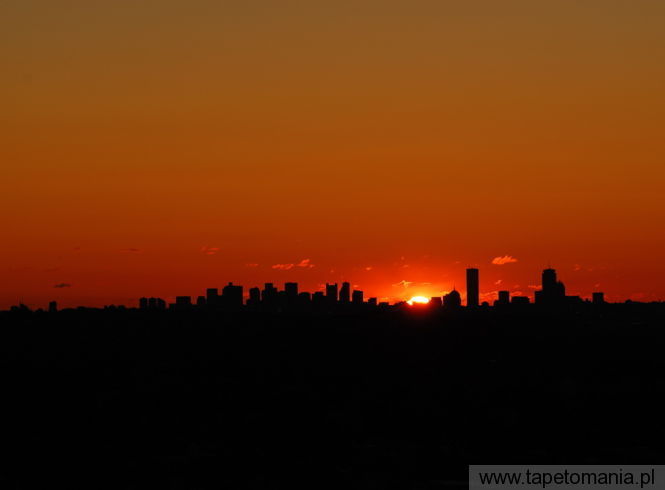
{"type": "Point", "coordinates": [161, 147]}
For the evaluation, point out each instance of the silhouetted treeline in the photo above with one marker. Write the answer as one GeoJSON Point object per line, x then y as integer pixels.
{"type": "Point", "coordinates": [398, 398]}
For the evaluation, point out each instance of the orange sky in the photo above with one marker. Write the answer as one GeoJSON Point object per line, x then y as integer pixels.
{"type": "Point", "coordinates": [159, 147]}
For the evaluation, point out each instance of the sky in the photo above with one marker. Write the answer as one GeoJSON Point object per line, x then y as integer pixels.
{"type": "Point", "coordinates": [157, 148]}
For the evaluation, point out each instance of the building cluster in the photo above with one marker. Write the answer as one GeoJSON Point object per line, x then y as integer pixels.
{"type": "Point", "coordinates": [336, 297]}
{"type": "Point", "coordinates": [269, 298]}
{"type": "Point", "coordinates": [552, 293]}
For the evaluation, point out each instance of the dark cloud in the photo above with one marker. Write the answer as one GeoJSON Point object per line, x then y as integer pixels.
{"type": "Point", "coordinates": [62, 285]}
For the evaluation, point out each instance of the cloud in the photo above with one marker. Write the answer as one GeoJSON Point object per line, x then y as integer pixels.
{"type": "Point", "coordinates": [403, 283]}
{"type": "Point", "coordinates": [62, 285]}
{"type": "Point", "coordinates": [498, 282]}
{"type": "Point", "coordinates": [533, 286]}
{"type": "Point", "coordinates": [577, 267]}
{"type": "Point", "coordinates": [209, 250]}
{"type": "Point", "coordinates": [506, 259]}
{"type": "Point", "coordinates": [251, 264]}
{"type": "Point", "coordinates": [369, 268]}
{"type": "Point", "coordinates": [305, 263]}
{"type": "Point", "coordinates": [283, 267]}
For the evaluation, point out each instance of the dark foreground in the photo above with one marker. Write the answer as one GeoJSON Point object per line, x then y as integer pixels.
{"type": "Point", "coordinates": [131, 399]}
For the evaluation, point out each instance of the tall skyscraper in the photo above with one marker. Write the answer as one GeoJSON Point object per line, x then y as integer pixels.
{"type": "Point", "coordinates": [553, 291]}
{"type": "Point", "coordinates": [472, 288]}
{"type": "Point", "coordinates": [549, 280]}
{"type": "Point", "coordinates": [345, 293]}
{"type": "Point", "coordinates": [331, 293]}
{"type": "Point", "coordinates": [53, 306]}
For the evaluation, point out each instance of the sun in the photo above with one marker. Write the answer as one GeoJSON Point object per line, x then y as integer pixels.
{"type": "Point", "coordinates": [421, 300]}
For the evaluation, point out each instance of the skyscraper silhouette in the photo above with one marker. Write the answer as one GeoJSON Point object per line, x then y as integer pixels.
{"type": "Point", "coordinates": [452, 300]}
{"type": "Point", "coordinates": [345, 293]}
{"type": "Point", "coordinates": [254, 299]}
{"type": "Point", "coordinates": [232, 296]}
{"type": "Point", "coordinates": [212, 297]}
{"type": "Point", "coordinates": [472, 288]}
{"type": "Point", "coordinates": [331, 293]}
{"type": "Point", "coordinates": [357, 297]}
{"type": "Point", "coordinates": [291, 289]}
{"type": "Point", "coordinates": [553, 291]}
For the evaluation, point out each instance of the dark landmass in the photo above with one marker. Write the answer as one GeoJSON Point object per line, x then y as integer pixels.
{"type": "Point", "coordinates": [400, 398]}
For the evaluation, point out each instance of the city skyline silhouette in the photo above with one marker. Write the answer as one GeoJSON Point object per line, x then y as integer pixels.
{"type": "Point", "coordinates": [364, 244]}
{"type": "Point", "coordinates": [552, 292]}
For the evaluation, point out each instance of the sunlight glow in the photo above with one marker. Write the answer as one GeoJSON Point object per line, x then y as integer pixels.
{"type": "Point", "coordinates": [421, 300]}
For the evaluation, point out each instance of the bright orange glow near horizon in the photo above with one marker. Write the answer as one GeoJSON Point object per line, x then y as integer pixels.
{"type": "Point", "coordinates": [419, 300]}
{"type": "Point", "coordinates": [160, 148]}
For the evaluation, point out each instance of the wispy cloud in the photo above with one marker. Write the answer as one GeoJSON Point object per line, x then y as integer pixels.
{"type": "Point", "coordinates": [498, 282]}
{"type": "Point", "coordinates": [283, 267]}
{"type": "Point", "coordinates": [506, 259]}
{"type": "Point", "coordinates": [251, 264]}
{"type": "Point", "coordinates": [62, 285]}
{"type": "Point", "coordinates": [403, 283]}
{"type": "Point", "coordinates": [209, 250]}
{"type": "Point", "coordinates": [305, 263]}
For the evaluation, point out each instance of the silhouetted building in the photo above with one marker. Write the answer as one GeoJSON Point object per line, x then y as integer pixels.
{"type": "Point", "coordinates": [372, 301]}
{"type": "Point", "coordinates": [472, 288]}
{"type": "Point", "coordinates": [255, 296]}
{"type": "Point", "coordinates": [183, 302]}
{"type": "Point", "coordinates": [201, 301]}
{"type": "Point", "coordinates": [232, 296]}
{"type": "Point", "coordinates": [291, 289]}
{"type": "Point", "coordinates": [160, 304]}
{"type": "Point", "coordinates": [331, 293]}
{"type": "Point", "coordinates": [318, 299]}
{"type": "Point", "coordinates": [598, 298]}
{"type": "Point", "coordinates": [212, 297]}
{"type": "Point", "coordinates": [504, 297]}
{"type": "Point", "coordinates": [520, 300]}
{"type": "Point", "coordinates": [53, 307]}
{"type": "Point", "coordinates": [269, 296]}
{"type": "Point", "coordinates": [304, 298]}
{"type": "Point", "coordinates": [452, 300]}
{"type": "Point", "coordinates": [357, 297]}
{"type": "Point", "coordinates": [435, 302]}
{"type": "Point", "coordinates": [553, 291]}
{"type": "Point", "coordinates": [143, 303]}
{"type": "Point", "coordinates": [345, 293]}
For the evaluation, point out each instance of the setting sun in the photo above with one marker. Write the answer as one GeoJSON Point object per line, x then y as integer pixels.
{"type": "Point", "coordinates": [421, 300]}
